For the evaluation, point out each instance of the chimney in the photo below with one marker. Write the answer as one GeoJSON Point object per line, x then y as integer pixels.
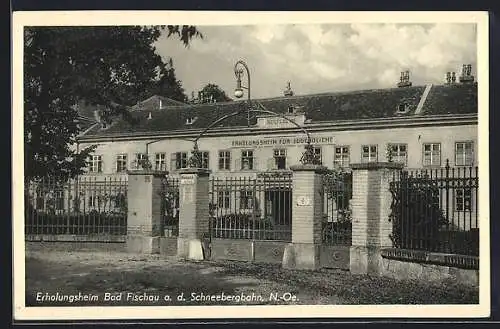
{"type": "Point", "coordinates": [161, 103]}
{"type": "Point", "coordinates": [448, 78]}
{"type": "Point", "coordinates": [288, 90]}
{"type": "Point", "coordinates": [466, 76]}
{"type": "Point", "coordinates": [404, 79]}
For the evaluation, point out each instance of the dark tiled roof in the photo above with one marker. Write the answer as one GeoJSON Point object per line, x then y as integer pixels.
{"type": "Point", "coordinates": [153, 103]}
{"type": "Point", "coordinates": [451, 99]}
{"type": "Point", "coordinates": [330, 107]}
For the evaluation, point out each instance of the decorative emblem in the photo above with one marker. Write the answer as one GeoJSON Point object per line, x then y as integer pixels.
{"type": "Point", "coordinates": [303, 201]}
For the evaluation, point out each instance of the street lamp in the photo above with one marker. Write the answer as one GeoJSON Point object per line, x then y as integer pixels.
{"type": "Point", "coordinates": [239, 68]}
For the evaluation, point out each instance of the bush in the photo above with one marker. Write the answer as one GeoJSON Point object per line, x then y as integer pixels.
{"type": "Point", "coordinates": [416, 214]}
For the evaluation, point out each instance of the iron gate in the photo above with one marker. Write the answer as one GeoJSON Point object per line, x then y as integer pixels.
{"type": "Point", "coordinates": [251, 208]}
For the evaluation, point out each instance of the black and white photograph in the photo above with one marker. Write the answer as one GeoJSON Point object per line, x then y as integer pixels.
{"type": "Point", "coordinates": [183, 165]}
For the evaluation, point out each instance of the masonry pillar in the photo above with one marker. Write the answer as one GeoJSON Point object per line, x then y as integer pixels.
{"type": "Point", "coordinates": [144, 211]}
{"type": "Point", "coordinates": [307, 212]}
{"type": "Point", "coordinates": [193, 214]}
{"type": "Point", "coordinates": [371, 203]}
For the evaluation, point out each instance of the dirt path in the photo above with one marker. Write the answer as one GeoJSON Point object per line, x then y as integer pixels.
{"type": "Point", "coordinates": [137, 277]}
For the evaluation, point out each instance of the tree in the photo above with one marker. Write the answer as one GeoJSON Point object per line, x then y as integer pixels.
{"type": "Point", "coordinates": [107, 66]}
{"type": "Point", "coordinates": [212, 93]}
{"type": "Point", "coordinates": [167, 85]}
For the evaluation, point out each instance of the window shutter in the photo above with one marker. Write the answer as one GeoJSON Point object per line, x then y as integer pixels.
{"type": "Point", "coordinates": [173, 161]}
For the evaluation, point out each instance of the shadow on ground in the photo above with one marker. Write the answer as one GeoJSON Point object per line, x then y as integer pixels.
{"type": "Point", "coordinates": [97, 273]}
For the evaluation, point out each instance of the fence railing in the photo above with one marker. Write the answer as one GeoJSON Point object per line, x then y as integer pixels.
{"type": "Point", "coordinates": [436, 210]}
{"type": "Point", "coordinates": [337, 221]}
{"type": "Point", "coordinates": [251, 208]}
{"type": "Point", "coordinates": [170, 206]}
{"type": "Point", "coordinates": [82, 206]}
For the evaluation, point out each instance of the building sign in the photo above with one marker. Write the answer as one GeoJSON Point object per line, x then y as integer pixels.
{"type": "Point", "coordinates": [280, 141]}
{"type": "Point", "coordinates": [279, 122]}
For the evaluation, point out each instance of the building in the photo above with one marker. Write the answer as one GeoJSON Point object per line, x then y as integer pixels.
{"type": "Point", "coordinates": [421, 126]}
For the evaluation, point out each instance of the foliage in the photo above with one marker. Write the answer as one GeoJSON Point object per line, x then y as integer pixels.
{"type": "Point", "coordinates": [212, 93]}
{"type": "Point", "coordinates": [108, 66]}
{"type": "Point", "coordinates": [167, 85]}
{"type": "Point", "coordinates": [416, 213]}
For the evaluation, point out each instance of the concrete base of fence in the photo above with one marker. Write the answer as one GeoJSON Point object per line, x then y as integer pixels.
{"type": "Point", "coordinates": [365, 260]}
{"type": "Point", "coordinates": [191, 249]}
{"type": "Point", "coordinates": [143, 244]}
{"type": "Point", "coordinates": [399, 270]}
{"type": "Point", "coordinates": [302, 256]}
{"type": "Point", "coordinates": [168, 246]}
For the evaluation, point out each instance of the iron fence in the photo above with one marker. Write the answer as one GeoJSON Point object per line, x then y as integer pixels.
{"type": "Point", "coordinates": [170, 206]}
{"type": "Point", "coordinates": [82, 206]}
{"type": "Point", "coordinates": [436, 210]}
{"type": "Point", "coordinates": [251, 208]}
{"type": "Point", "coordinates": [337, 220]}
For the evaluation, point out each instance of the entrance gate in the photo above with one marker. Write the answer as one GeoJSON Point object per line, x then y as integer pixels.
{"type": "Point", "coordinates": [250, 218]}
{"type": "Point", "coordinates": [337, 221]}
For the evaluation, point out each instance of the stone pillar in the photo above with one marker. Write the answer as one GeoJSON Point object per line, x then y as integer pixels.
{"type": "Point", "coordinates": [371, 203]}
{"type": "Point", "coordinates": [193, 214]}
{"type": "Point", "coordinates": [307, 213]}
{"type": "Point", "coordinates": [144, 211]}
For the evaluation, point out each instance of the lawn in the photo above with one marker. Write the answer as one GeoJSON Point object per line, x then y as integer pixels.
{"type": "Point", "coordinates": [134, 277]}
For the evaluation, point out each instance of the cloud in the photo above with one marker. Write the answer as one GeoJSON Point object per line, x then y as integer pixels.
{"type": "Point", "coordinates": [322, 58]}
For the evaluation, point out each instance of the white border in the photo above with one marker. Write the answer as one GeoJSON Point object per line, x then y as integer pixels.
{"type": "Point", "coordinates": [21, 19]}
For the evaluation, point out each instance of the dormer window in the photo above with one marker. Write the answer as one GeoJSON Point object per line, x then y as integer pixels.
{"type": "Point", "coordinates": [290, 109]}
{"type": "Point", "coordinates": [403, 107]}
{"type": "Point", "coordinates": [190, 120]}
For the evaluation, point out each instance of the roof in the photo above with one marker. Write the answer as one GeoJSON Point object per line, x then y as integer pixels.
{"type": "Point", "coordinates": [327, 107]}
{"type": "Point", "coordinates": [153, 103]}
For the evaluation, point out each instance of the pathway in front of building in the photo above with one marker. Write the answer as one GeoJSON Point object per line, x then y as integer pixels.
{"type": "Point", "coordinates": [53, 276]}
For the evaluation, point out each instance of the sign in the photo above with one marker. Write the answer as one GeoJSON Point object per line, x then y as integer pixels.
{"type": "Point", "coordinates": [281, 141]}
{"type": "Point", "coordinates": [303, 201]}
{"type": "Point", "coordinates": [187, 179]}
{"type": "Point", "coordinates": [280, 122]}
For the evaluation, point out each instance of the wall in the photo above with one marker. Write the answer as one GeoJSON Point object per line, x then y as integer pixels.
{"type": "Point", "coordinates": [413, 136]}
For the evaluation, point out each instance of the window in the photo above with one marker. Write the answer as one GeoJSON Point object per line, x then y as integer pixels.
{"type": "Point", "coordinates": [342, 157]}
{"type": "Point", "coordinates": [317, 152]}
{"type": "Point", "coordinates": [139, 159]}
{"type": "Point", "coordinates": [223, 199]}
{"type": "Point", "coordinates": [464, 153]}
{"type": "Point", "coordinates": [59, 200]}
{"type": "Point", "coordinates": [403, 107]}
{"type": "Point", "coordinates": [280, 159]}
{"type": "Point", "coordinates": [369, 153]}
{"type": "Point", "coordinates": [121, 163]}
{"type": "Point", "coordinates": [179, 160]}
{"type": "Point", "coordinates": [95, 163]}
{"type": "Point", "coordinates": [463, 199]}
{"type": "Point", "coordinates": [204, 160]}
{"type": "Point", "coordinates": [94, 201]}
{"type": "Point", "coordinates": [160, 161]}
{"type": "Point", "coordinates": [398, 153]}
{"type": "Point", "coordinates": [247, 160]}
{"type": "Point", "coordinates": [190, 120]}
{"type": "Point", "coordinates": [246, 199]}
{"type": "Point", "coordinates": [290, 109]}
{"type": "Point", "coordinates": [224, 160]}
{"type": "Point", "coordinates": [432, 154]}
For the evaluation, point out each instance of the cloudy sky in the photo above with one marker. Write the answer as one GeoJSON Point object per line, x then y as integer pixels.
{"type": "Point", "coordinates": [321, 58]}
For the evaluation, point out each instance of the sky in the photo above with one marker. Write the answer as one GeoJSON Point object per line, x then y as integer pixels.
{"type": "Point", "coordinates": [321, 58]}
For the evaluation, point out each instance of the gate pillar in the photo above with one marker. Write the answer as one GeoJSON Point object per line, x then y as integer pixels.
{"type": "Point", "coordinates": [193, 213]}
{"type": "Point", "coordinates": [144, 213]}
{"type": "Point", "coordinates": [307, 212]}
{"type": "Point", "coordinates": [371, 206]}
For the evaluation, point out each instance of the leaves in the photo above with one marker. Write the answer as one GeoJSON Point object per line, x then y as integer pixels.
{"type": "Point", "coordinates": [110, 66]}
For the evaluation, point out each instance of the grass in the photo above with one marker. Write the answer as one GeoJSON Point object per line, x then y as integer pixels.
{"type": "Point", "coordinates": [91, 272]}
